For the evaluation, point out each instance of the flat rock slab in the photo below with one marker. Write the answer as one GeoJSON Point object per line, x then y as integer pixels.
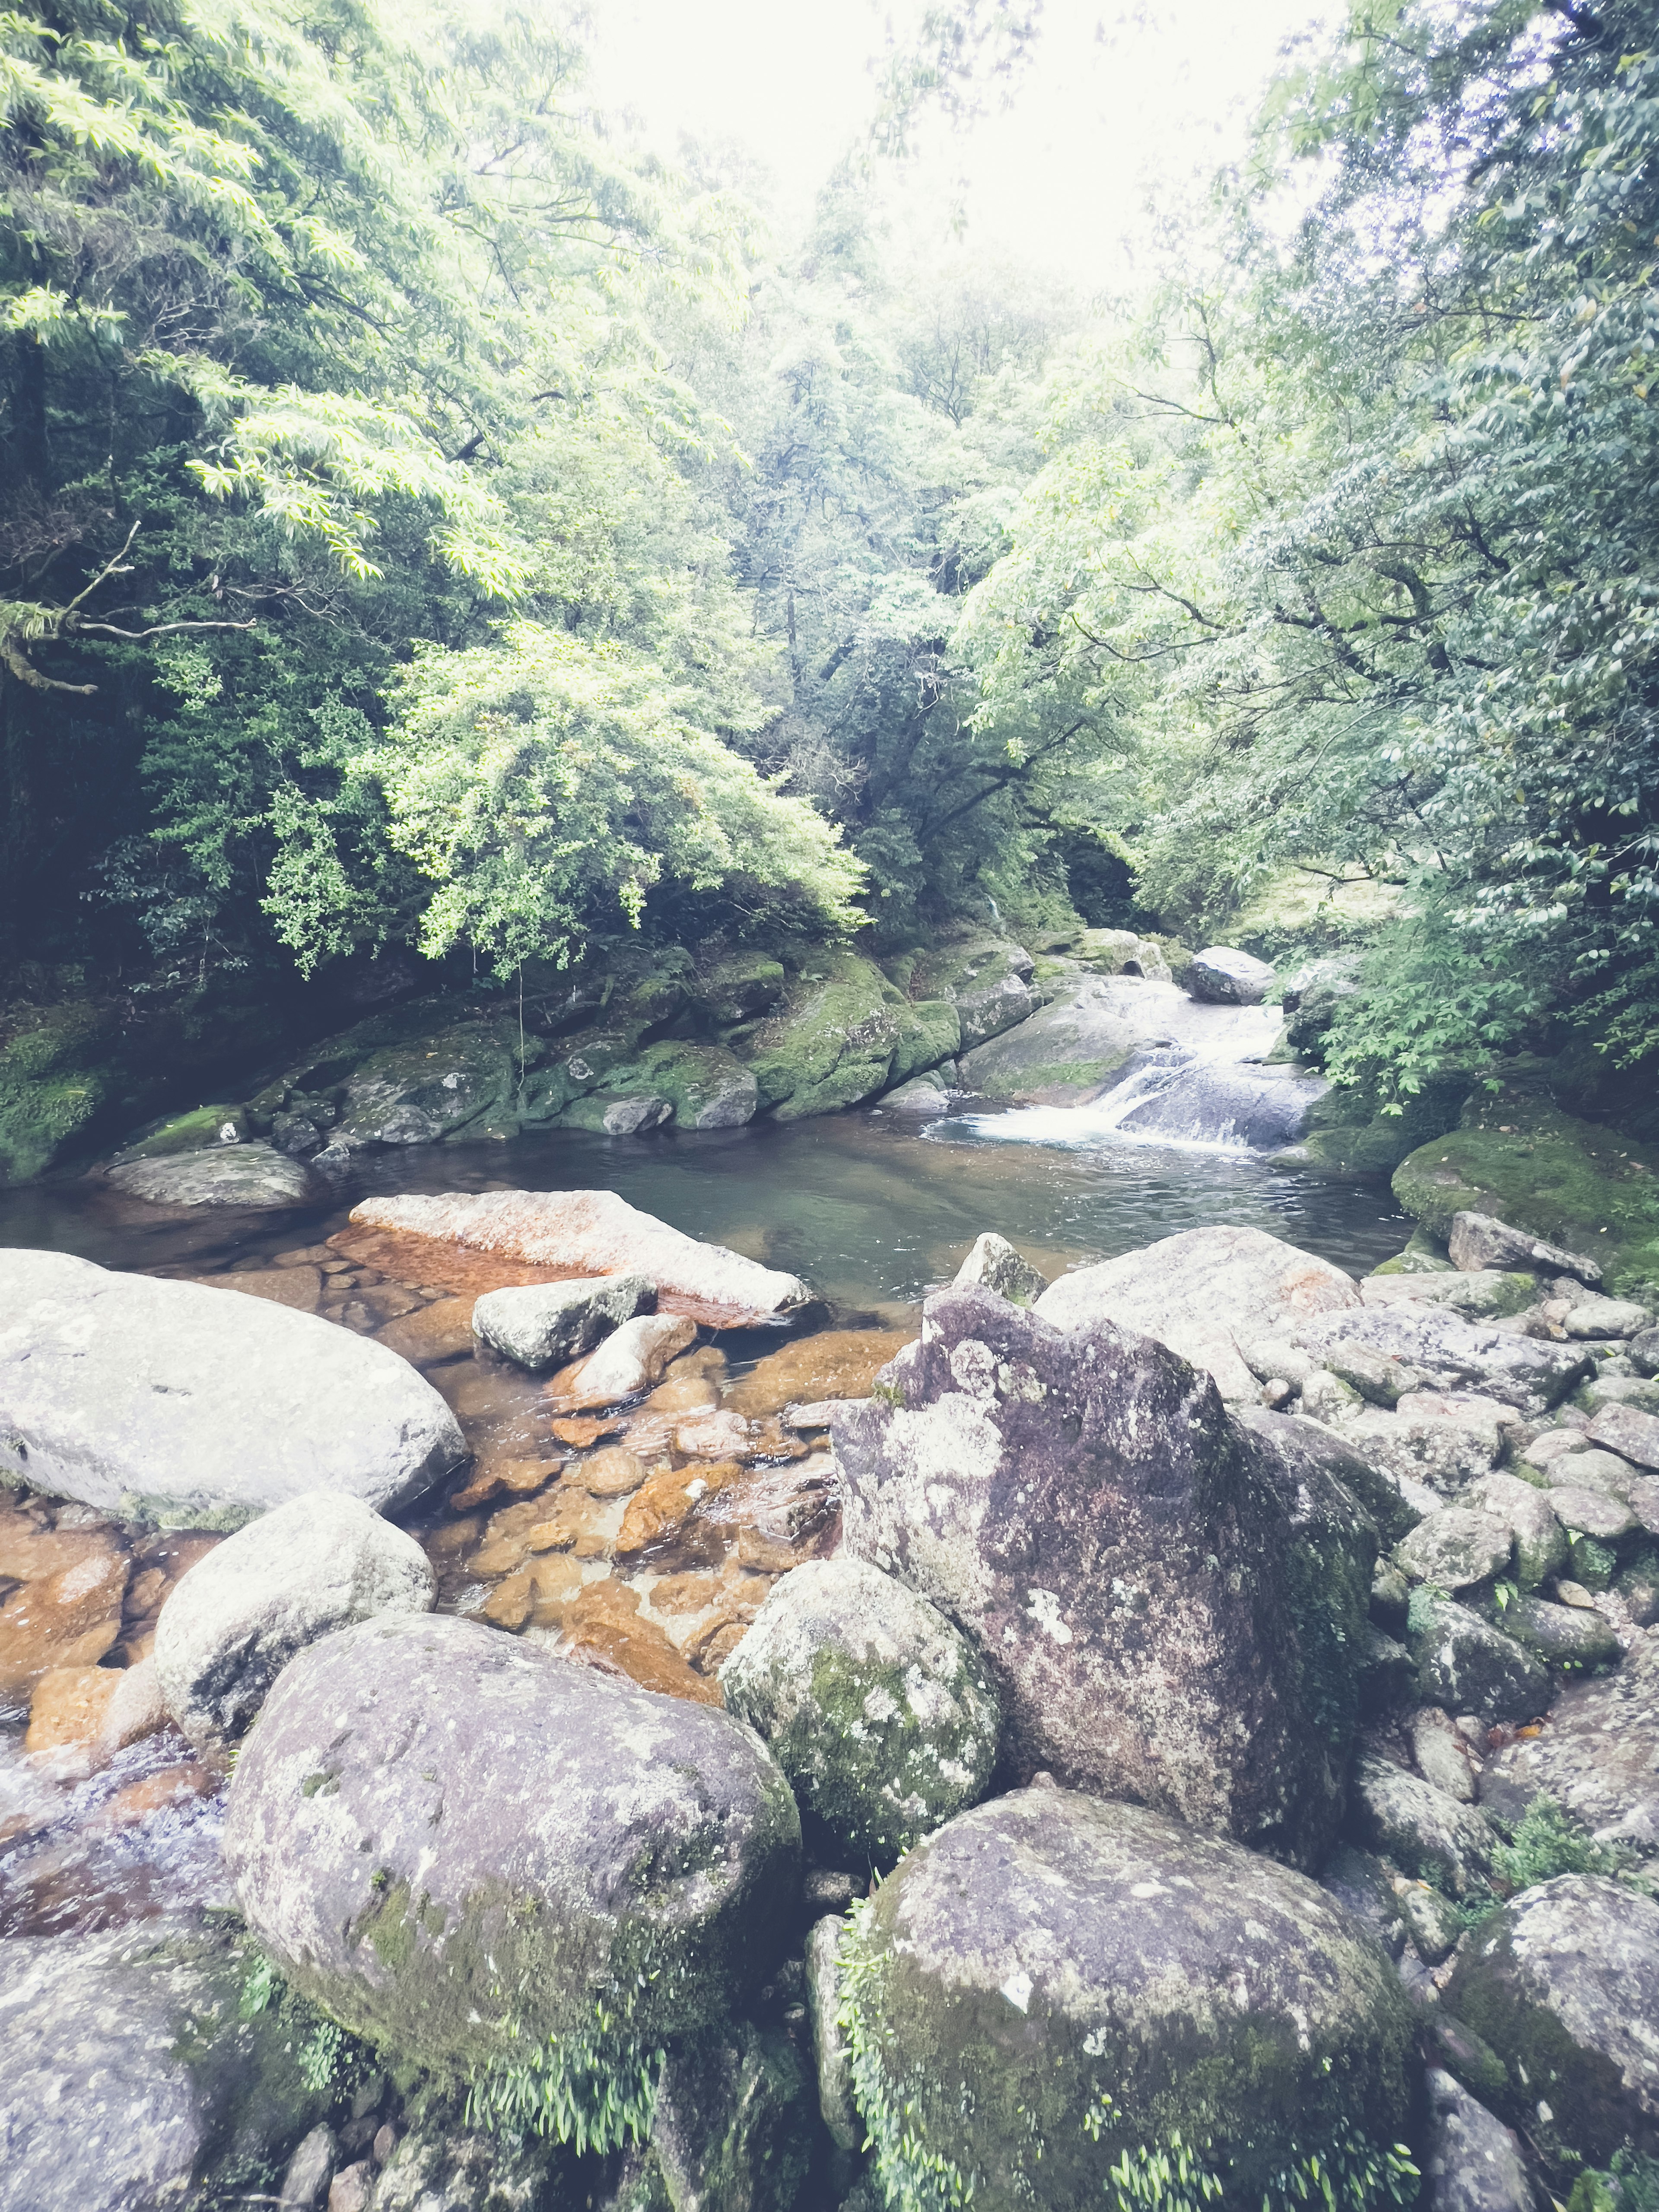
{"type": "Point", "coordinates": [1598, 1756]}
{"type": "Point", "coordinates": [1479, 1240]}
{"type": "Point", "coordinates": [1050, 1984]}
{"type": "Point", "coordinates": [461, 1844]}
{"type": "Point", "coordinates": [1452, 1354]}
{"type": "Point", "coordinates": [229, 1174]}
{"type": "Point", "coordinates": [1203, 1294]}
{"type": "Point", "coordinates": [130, 2079]}
{"type": "Point", "coordinates": [171, 1402]}
{"type": "Point", "coordinates": [595, 1232]}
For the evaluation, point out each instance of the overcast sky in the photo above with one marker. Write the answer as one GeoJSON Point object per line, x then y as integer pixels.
{"type": "Point", "coordinates": [1118, 98]}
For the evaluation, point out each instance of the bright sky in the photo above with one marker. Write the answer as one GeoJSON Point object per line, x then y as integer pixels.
{"type": "Point", "coordinates": [1118, 99]}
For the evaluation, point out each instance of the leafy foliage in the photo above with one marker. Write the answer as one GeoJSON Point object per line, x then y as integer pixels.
{"type": "Point", "coordinates": [597, 2092]}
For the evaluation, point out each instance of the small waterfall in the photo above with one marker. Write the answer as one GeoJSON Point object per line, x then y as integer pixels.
{"type": "Point", "coordinates": [1169, 1096]}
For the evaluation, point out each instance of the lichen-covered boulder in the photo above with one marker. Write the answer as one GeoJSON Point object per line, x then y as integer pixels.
{"type": "Point", "coordinates": [1465, 1665]}
{"type": "Point", "coordinates": [731, 2130]}
{"type": "Point", "coordinates": [228, 1175]}
{"type": "Point", "coordinates": [929, 1035]}
{"type": "Point", "coordinates": [882, 1714]}
{"type": "Point", "coordinates": [1478, 1241]}
{"type": "Point", "coordinates": [1128, 1558]}
{"type": "Point", "coordinates": [234, 1620]}
{"type": "Point", "coordinates": [995, 1262]}
{"type": "Point", "coordinates": [174, 1402]}
{"type": "Point", "coordinates": [1475, 2163]}
{"type": "Point", "coordinates": [133, 2078]}
{"type": "Point", "coordinates": [1541, 1542]}
{"type": "Point", "coordinates": [1452, 1354]}
{"type": "Point", "coordinates": [987, 979]}
{"type": "Point", "coordinates": [1564, 1984]}
{"type": "Point", "coordinates": [1424, 1830]}
{"type": "Point", "coordinates": [1051, 1988]}
{"type": "Point", "coordinates": [1570, 1637]}
{"type": "Point", "coordinates": [1456, 1548]}
{"type": "Point", "coordinates": [540, 1325]}
{"type": "Point", "coordinates": [469, 1850]}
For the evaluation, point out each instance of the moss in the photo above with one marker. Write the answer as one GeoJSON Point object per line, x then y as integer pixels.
{"type": "Point", "coordinates": [156, 1512]}
{"type": "Point", "coordinates": [831, 1042]}
{"type": "Point", "coordinates": [929, 1034]}
{"type": "Point", "coordinates": [1575, 1183]}
{"type": "Point", "coordinates": [195, 1132]}
{"type": "Point", "coordinates": [55, 1080]}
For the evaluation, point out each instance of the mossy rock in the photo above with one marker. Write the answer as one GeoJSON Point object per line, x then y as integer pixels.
{"type": "Point", "coordinates": [929, 1034]}
{"type": "Point", "coordinates": [1571, 1183]}
{"type": "Point", "coordinates": [741, 987]}
{"type": "Point", "coordinates": [55, 1079]}
{"type": "Point", "coordinates": [832, 1042]}
{"type": "Point", "coordinates": [195, 1132]}
{"type": "Point", "coordinates": [1423, 1255]}
{"type": "Point", "coordinates": [1342, 1140]}
{"type": "Point", "coordinates": [1053, 1987]}
{"type": "Point", "coordinates": [987, 979]}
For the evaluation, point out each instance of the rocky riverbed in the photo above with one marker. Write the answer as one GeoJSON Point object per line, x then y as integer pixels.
{"type": "Point", "coordinates": [511, 1706]}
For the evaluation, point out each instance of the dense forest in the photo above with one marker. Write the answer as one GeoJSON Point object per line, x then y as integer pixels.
{"type": "Point", "coordinates": [435, 533]}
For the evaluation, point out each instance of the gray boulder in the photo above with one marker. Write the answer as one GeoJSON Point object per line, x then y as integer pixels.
{"type": "Point", "coordinates": [1422, 1829]}
{"type": "Point", "coordinates": [1626, 1430]}
{"type": "Point", "coordinates": [1456, 1548]}
{"type": "Point", "coordinates": [229, 1174]}
{"type": "Point", "coordinates": [1467, 1666]}
{"type": "Point", "coordinates": [1475, 2164]}
{"type": "Point", "coordinates": [1051, 1985]}
{"type": "Point", "coordinates": [309, 2171]}
{"type": "Point", "coordinates": [436, 2168]}
{"type": "Point", "coordinates": [1571, 1637]}
{"type": "Point", "coordinates": [1227, 977]}
{"type": "Point", "coordinates": [1595, 1319]}
{"type": "Point", "coordinates": [1541, 1542]}
{"type": "Point", "coordinates": [829, 2052]}
{"type": "Point", "coordinates": [198, 1408]}
{"type": "Point", "coordinates": [882, 1714]}
{"type": "Point", "coordinates": [1479, 1240]}
{"type": "Point", "coordinates": [925, 1094]}
{"type": "Point", "coordinates": [1598, 1756]}
{"type": "Point", "coordinates": [732, 2129]}
{"type": "Point", "coordinates": [1170, 1613]}
{"type": "Point", "coordinates": [1643, 1351]}
{"type": "Point", "coordinates": [132, 2079]}
{"type": "Point", "coordinates": [1190, 1099]}
{"type": "Point", "coordinates": [1205, 1293]}
{"type": "Point", "coordinates": [1564, 1984]}
{"type": "Point", "coordinates": [995, 1262]}
{"type": "Point", "coordinates": [238, 1616]}
{"type": "Point", "coordinates": [542, 1325]}
{"type": "Point", "coordinates": [634, 1853]}
{"type": "Point", "coordinates": [1065, 1051]}
{"type": "Point", "coordinates": [1452, 1354]}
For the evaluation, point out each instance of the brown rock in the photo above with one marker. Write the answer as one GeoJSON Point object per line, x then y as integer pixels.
{"type": "Point", "coordinates": [504, 1478]}
{"type": "Point", "coordinates": [683, 1394]}
{"type": "Point", "coordinates": [718, 1434]}
{"type": "Point", "coordinates": [717, 1647]}
{"type": "Point", "coordinates": [540, 1524]}
{"type": "Point", "coordinates": [296, 1286]}
{"type": "Point", "coordinates": [67, 1708]}
{"type": "Point", "coordinates": [174, 1785]}
{"type": "Point", "coordinates": [603, 1625]}
{"type": "Point", "coordinates": [581, 1430]}
{"type": "Point", "coordinates": [612, 1472]}
{"type": "Point", "coordinates": [30, 1549]}
{"type": "Point", "coordinates": [838, 1363]}
{"type": "Point", "coordinates": [628, 1361]}
{"type": "Point", "coordinates": [475, 1394]}
{"type": "Point", "coordinates": [782, 1505]}
{"type": "Point", "coordinates": [349, 2190]}
{"type": "Point", "coordinates": [537, 1595]}
{"type": "Point", "coordinates": [686, 1593]}
{"type": "Point", "coordinates": [175, 1552]}
{"type": "Point", "coordinates": [135, 1711]}
{"type": "Point", "coordinates": [662, 1507]}
{"type": "Point", "coordinates": [308, 1255]}
{"type": "Point", "coordinates": [426, 1335]}
{"type": "Point", "coordinates": [451, 1540]}
{"type": "Point", "coordinates": [147, 1592]}
{"type": "Point", "coordinates": [71, 1619]}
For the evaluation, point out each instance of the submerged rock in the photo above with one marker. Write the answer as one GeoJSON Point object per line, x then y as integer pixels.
{"type": "Point", "coordinates": [629, 1360]}
{"type": "Point", "coordinates": [132, 2078]}
{"type": "Point", "coordinates": [595, 1232]}
{"type": "Point", "coordinates": [732, 2129]}
{"type": "Point", "coordinates": [634, 1853]}
{"type": "Point", "coordinates": [541, 1325]}
{"type": "Point", "coordinates": [1228, 977]}
{"type": "Point", "coordinates": [236, 1618]}
{"type": "Point", "coordinates": [1051, 1985]}
{"type": "Point", "coordinates": [229, 1174]}
{"type": "Point", "coordinates": [1202, 1293]}
{"type": "Point", "coordinates": [1130, 1561]}
{"type": "Point", "coordinates": [882, 1714]}
{"type": "Point", "coordinates": [171, 1402]}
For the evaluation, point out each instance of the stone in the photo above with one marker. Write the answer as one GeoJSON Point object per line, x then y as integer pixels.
{"type": "Point", "coordinates": [611, 1472]}
{"type": "Point", "coordinates": [1171, 1611]}
{"type": "Point", "coordinates": [238, 1617]}
{"type": "Point", "coordinates": [829, 1042]}
{"type": "Point", "coordinates": [602, 1626]}
{"type": "Point", "coordinates": [732, 2127]}
{"type": "Point", "coordinates": [1432, 1921]}
{"type": "Point", "coordinates": [231, 1175]}
{"type": "Point", "coordinates": [631, 1117]}
{"type": "Point", "coordinates": [1062, 1053]}
{"type": "Point", "coordinates": [1488, 1295]}
{"type": "Point", "coordinates": [438, 2168]}
{"type": "Point", "coordinates": [164, 1401]}
{"type": "Point", "coordinates": [1597, 1755]}
{"type": "Point", "coordinates": [70, 1619]}
{"type": "Point", "coordinates": [1364, 1889]}
{"type": "Point", "coordinates": [595, 1232]}
{"type": "Point", "coordinates": [1456, 1548]}
{"type": "Point", "coordinates": [1388, 1677]}
{"type": "Point", "coordinates": [1583, 1511]}
{"type": "Point", "coordinates": [299, 1287]}
{"type": "Point", "coordinates": [1122, 952]}
{"type": "Point", "coordinates": [1633, 1435]}
{"type": "Point", "coordinates": [995, 1262]}
{"type": "Point", "coordinates": [349, 2189]}
{"type": "Point", "coordinates": [1541, 1542]}
{"type": "Point", "coordinates": [1442, 1760]}
{"type": "Point", "coordinates": [68, 1708]}
{"type": "Point", "coordinates": [829, 2052]}
{"type": "Point", "coordinates": [636, 1852]}
{"type": "Point", "coordinates": [1467, 1666]}
{"type": "Point", "coordinates": [309, 2172]}
{"type": "Point", "coordinates": [1643, 1351]}
{"type": "Point", "coordinates": [835, 1364]}
{"type": "Point", "coordinates": [929, 1039]}
{"type": "Point", "coordinates": [1226, 977]}
{"type": "Point", "coordinates": [1202, 1292]}
{"type": "Point", "coordinates": [1567, 1636]}
{"type": "Point", "coordinates": [1380, 1377]}
{"type": "Point", "coordinates": [1452, 1354]}
{"type": "Point", "coordinates": [1433, 1444]}
{"type": "Point", "coordinates": [1564, 1984]}
{"type": "Point", "coordinates": [1050, 1984]}
{"type": "Point", "coordinates": [659, 1508]}
{"type": "Point", "coordinates": [132, 2078]}
{"type": "Point", "coordinates": [923, 1095]}
{"type": "Point", "coordinates": [987, 980]}
{"type": "Point", "coordinates": [135, 1710]}
{"type": "Point", "coordinates": [442, 1330]}
{"type": "Point", "coordinates": [1595, 1470]}
{"type": "Point", "coordinates": [1478, 1240]}
{"type": "Point", "coordinates": [881, 1714]}
{"type": "Point", "coordinates": [1420, 1828]}
{"type": "Point", "coordinates": [1308, 1450]}
{"type": "Point", "coordinates": [1473, 2163]}
{"type": "Point", "coordinates": [1600, 1318]}
{"type": "Point", "coordinates": [630, 1359]}
{"type": "Point", "coordinates": [541, 1325]}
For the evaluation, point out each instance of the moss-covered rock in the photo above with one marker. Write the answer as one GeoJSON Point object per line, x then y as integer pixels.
{"type": "Point", "coordinates": [830, 1044]}
{"type": "Point", "coordinates": [55, 1079]}
{"type": "Point", "coordinates": [741, 987]}
{"type": "Point", "coordinates": [882, 1714]}
{"type": "Point", "coordinates": [929, 1034]}
{"type": "Point", "coordinates": [195, 1132]}
{"type": "Point", "coordinates": [987, 979]}
{"type": "Point", "coordinates": [1053, 1988]}
{"type": "Point", "coordinates": [1423, 1255]}
{"type": "Point", "coordinates": [1122, 952]}
{"type": "Point", "coordinates": [1574, 1182]}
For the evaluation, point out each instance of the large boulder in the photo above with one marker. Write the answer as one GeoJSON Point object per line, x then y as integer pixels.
{"type": "Point", "coordinates": [883, 1715]}
{"type": "Point", "coordinates": [1475, 2163]}
{"type": "Point", "coordinates": [1598, 1757]}
{"type": "Point", "coordinates": [1066, 1051]}
{"type": "Point", "coordinates": [830, 1044]}
{"type": "Point", "coordinates": [228, 1175]}
{"type": "Point", "coordinates": [1051, 1991]}
{"type": "Point", "coordinates": [1465, 1665]}
{"type": "Point", "coordinates": [1203, 1294]}
{"type": "Point", "coordinates": [635, 1856]}
{"type": "Point", "coordinates": [133, 2079]}
{"type": "Point", "coordinates": [172, 1402]}
{"type": "Point", "coordinates": [1126, 1557]}
{"type": "Point", "coordinates": [234, 1620]}
{"type": "Point", "coordinates": [1187, 1098]}
{"type": "Point", "coordinates": [987, 979]}
{"type": "Point", "coordinates": [1478, 1241]}
{"type": "Point", "coordinates": [1425, 1829]}
{"type": "Point", "coordinates": [593, 1232]}
{"type": "Point", "coordinates": [1227, 977]}
{"type": "Point", "coordinates": [1564, 1984]}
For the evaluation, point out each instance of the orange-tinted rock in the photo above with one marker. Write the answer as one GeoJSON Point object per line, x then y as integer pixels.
{"type": "Point", "coordinates": [174, 1785]}
{"type": "Point", "coordinates": [71, 1619]}
{"type": "Point", "coordinates": [299, 1287]}
{"type": "Point", "coordinates": [308, 1255]}
{"type": "Point", "coordinates": [175, 1552]}
{"type": "Point", "coordinates": [442, 1330]}
{"type": "Point", "coordinates": [67, 1710]}
{"type": "Point", "coordinates": [661, 1508]}
{"type": "Point", "coordinates": [603, 1622]}
{"type": "Point", "coordinates": [479, 1394]}
{"type": "Point", "coordinates": [135, 1711]}
{"type": "Point", "coordinates": [838, 1363]}
{"type": "Point", "coordinates": [716, 1647]}
{"type": "Point", "coordinates": [147, 1592]}
{"type": "Point", "coordinates": [451, 1540]}
{"type": "Point", "coordinates": [537, 1595]}
{"type": "Point", "coordinates": [504, 1478]}
{"type": "Point", "coordinates": [553, 1523]}
{"type": "Point", "coordinates": [683, 1394]}
{"type": "Point", "coordinates": [612, 1472]}
{"type": "Point", "coordinates": [630, 1359]}
{"type": "Point", "coordinates": [581, 1430]}
{"type": "Point", "coordinates": [688, 1593]}
{"type": "Point", "coordinates": [30, 1549]}
{"type": "Point", "coordinates": [717, 1434]}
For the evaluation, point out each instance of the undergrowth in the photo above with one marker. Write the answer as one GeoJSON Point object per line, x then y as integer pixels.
{"type": "Point", "coordinates": [329, 2057]}
{"type": "Point", "coordinates": [596, 2090]}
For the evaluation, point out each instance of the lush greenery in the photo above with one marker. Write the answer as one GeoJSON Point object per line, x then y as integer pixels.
{"type": "Point", "coordinates": [429, 525]}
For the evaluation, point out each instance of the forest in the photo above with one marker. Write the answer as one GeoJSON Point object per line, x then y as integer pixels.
{"type": "Point", "coordinates": [435, 534]}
